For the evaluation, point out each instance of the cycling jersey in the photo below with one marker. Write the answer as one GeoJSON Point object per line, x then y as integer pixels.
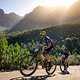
{"type": "Point", "coordinates": [65, 52]}
{"type": "Point", "coordinates": [47, 40]}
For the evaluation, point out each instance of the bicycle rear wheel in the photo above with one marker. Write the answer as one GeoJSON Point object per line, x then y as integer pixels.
{"type": "Point", "coordinates": [51, 70]}
{"type": "Point", "coordinates": [28, 65]}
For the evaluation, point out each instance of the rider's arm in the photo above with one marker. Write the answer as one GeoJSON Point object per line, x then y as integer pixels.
{"type": "Point", "coordinates": [49, 45]}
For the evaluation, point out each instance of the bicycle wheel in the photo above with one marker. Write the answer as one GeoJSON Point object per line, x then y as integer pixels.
{"type": "Point", "coordinates": [63, 66]}
{"type": "Point", "coordinates": [28, 65]}
{"type": "Point", "coordinates": [53, 66]}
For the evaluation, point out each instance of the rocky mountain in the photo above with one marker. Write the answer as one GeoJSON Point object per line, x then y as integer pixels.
{"type": "Point", "coordinates": [42, 17]}
{"type": "Point", "coordinates": [8, 20]}
{"type": "Point", "coordinates": [73, 13]}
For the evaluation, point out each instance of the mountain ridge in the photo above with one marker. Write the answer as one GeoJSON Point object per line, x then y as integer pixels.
{"type": "Point", "coordinates": [43, 17]}
{"type": "Point", "coordinates": [8, 20]}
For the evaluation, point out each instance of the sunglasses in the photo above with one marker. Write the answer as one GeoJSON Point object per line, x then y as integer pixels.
{"type": "Point", "coordinates": [41, 35]}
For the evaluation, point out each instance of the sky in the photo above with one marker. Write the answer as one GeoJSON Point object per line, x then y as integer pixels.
{"type": "Point", "coordinates": [22, 7]}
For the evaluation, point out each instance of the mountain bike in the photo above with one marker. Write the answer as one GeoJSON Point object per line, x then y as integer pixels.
{"type": "Point", "coordinates": [29, 64]}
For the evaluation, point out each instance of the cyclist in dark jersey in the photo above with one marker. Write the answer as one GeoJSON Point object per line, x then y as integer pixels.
{"type": "Point", "coordinates": [65, 54]}
{"type": "Point", "coordinates": [49, 45]}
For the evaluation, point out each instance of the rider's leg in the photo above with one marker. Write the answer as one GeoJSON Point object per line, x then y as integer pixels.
{"type": "Point", "coordinates": [66, 65]}
{"type": "Point", "coordinates": [66, 62]}
{"type": "Point", "coordinates": [41, 55]}
{"type": "Point", "coordinates": [63, 62]}
{"type": "Point", "coordinates": [42, 58]}
{"type": "Point", "coordinates": [49, 60]}
{"type": "Point", "coordinates": [47, 56]}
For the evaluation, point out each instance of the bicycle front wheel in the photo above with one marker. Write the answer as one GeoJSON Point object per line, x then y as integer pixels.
{"type": "Point", "coordinates": [28, 65]}
{"type": "Point", "coordinates": [63, 66]}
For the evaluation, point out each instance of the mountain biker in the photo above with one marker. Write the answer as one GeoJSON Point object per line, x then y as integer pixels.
{"type": "Point", "coordinates": [65, 54]}
{"type": "Point", "coordinates": [49, 46]}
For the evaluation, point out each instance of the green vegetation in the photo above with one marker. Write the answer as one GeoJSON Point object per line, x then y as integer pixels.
{"type": "Point", "coordinates": [10, 55]}
{"type": "Point", "coordinates": [17, 45]}
{"type": "Point", "coordinates": [61, 34]}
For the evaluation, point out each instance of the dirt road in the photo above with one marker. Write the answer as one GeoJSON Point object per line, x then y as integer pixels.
{"type": "Point", "coordinates": [42, 75]}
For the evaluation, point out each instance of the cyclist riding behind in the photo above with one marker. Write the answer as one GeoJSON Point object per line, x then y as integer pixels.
{"type": "Point", "coordinates": [65, 54]}
{"type": "Point", "coordinates": [49, 46]}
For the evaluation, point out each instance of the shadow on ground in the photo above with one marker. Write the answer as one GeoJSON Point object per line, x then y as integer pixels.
{"type": "Point", "coordinates": [62, 73]}
{"type": "Point", "coordinates": [43, 77]}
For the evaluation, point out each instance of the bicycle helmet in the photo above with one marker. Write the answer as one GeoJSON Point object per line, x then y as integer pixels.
{"type": "Point", "coordinates": [43, 33]}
